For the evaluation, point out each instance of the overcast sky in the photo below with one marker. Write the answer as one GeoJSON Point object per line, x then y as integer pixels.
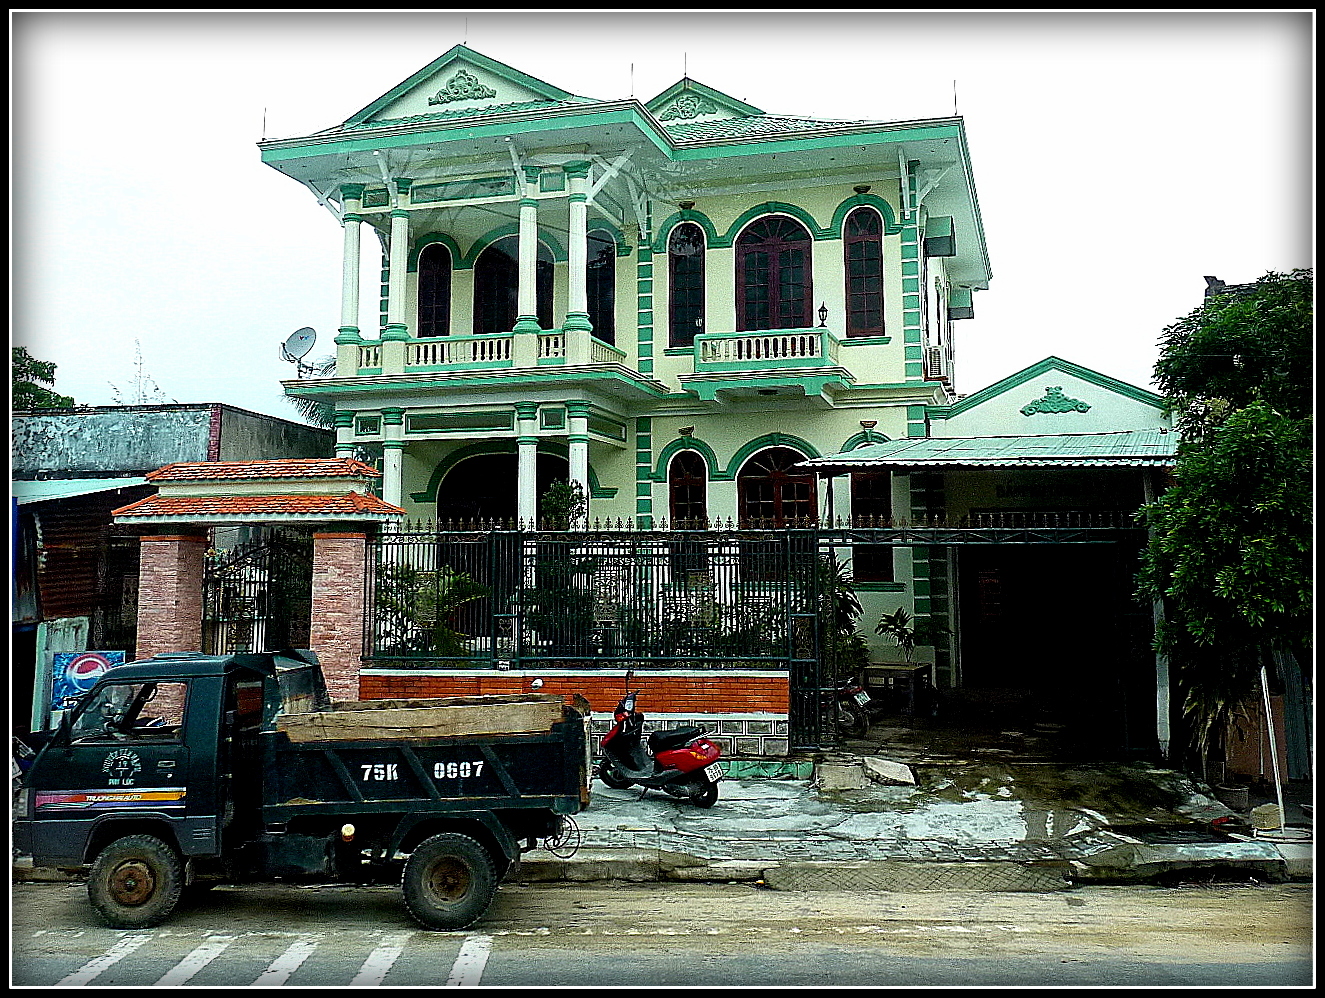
{"type": "Point", "coordinates": [1119, 157]}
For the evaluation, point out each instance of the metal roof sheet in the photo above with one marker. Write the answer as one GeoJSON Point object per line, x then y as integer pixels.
{"type": "Point", "coordinates": [67, 488]}
{"type": "Point", "coordinates": [1124, 448]}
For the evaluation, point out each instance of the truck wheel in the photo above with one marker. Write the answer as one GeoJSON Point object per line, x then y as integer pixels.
{"type": "Point", "coordinates": [135, 882]}
{"type": "Point", "coordinates": [449, 881]}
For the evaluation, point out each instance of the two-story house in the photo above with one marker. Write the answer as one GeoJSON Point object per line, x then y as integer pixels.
{"type": "Point", "coordinates": [678, 303]}
{"type": "Point", "coordinates": [670, 302]}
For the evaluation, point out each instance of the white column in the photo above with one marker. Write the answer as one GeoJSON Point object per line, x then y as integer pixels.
{"type": "Point", "coordinates": [577, 250]}
{"type": "Point", "coordinates": [393, 453]}
{"type": "Point", "coordinates": [527, 297]}
{"type": "Point", "coordinates": [347, 337]}
{"type": "Point", "coordinates": [397, 266]}
{"type": "Point", "coordinates": [578, 439]}
{"type": "Point", "coordinates": [527, 477]}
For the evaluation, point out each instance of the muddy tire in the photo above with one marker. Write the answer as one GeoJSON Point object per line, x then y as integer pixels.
{"type": "Point", "coordinates": [449, 882]}
{"type": "Point", "coordinates": [704, 796]}
{"type": "Point", "coordinates": [135, 882]}
{"type": "Point", "coordinates": [608, 774]}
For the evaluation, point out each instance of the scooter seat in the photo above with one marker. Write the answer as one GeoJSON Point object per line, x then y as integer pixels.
{"type": "Point", "coordinates": [673, 738]}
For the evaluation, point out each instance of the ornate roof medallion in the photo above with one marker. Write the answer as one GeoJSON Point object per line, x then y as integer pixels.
{"type": "Point", "coordinates": [1054, 401]}
{"type": "Point", "coordinates": [463, 86]}
{"type": "Point", "coordinates": [688, 106]}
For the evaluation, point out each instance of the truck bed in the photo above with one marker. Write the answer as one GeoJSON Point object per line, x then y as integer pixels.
{"type": "Point", "coordinates": [389, 767]}
{"type": "Point", "coordinates": [444, 717]}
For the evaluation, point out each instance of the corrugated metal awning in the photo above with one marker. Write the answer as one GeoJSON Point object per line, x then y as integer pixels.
{"type": "Point", "coordinates": [1121, 449]}
{"type": "Point", "coordinates": [67, 488]}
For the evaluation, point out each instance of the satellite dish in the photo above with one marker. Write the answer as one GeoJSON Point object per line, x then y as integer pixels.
{"type": "Point", "coordinates": [296, 347]}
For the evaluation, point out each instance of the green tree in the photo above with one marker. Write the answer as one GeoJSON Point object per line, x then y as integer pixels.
{"type": "Point", "coordinates": [1230, 548]}
{"type": "Point", "coordinates": [28, 375]}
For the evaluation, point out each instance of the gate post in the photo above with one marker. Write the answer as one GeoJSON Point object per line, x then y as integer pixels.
{"type": "Point", "coordinates": [336, 628]}
{"type": "Point", "coordinates": [170, 593]}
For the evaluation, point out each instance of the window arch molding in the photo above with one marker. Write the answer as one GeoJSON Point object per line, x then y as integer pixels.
{"type": "Point", "coordinates": [458, 261]}
{"type": "Point", "coordinates": [891, 226]}
{"type": "Point", "coordinates": [547, 241]}
{"type": "Point", "coordinates": [687, 443]}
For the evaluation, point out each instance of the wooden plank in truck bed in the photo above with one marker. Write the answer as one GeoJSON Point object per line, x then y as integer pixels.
{"type": "Point", "coordinates": [376, 720]}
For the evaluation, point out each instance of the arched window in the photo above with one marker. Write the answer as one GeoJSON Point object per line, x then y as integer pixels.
{"type": "Point", "coordinates": [773, 279]}
{"type": "Point", "coordinates": [772, 494]}
{"type": "Point", "coordinates": [497, 287]}
{"type": "Point", "coordinates": [685, 263]}
{"type": "Point", "coordinates": [434, 291]}
{"type": "Point", "coordinates": [687, 480]}
{"type": "Point", "coordinates": [862, 247]}
{"type": "Point", "coordinates": [602, 285]}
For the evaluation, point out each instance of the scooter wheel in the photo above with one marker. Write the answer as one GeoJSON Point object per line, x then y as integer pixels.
{"type": "Point", "coordinates": [608, 774]}
{"type": "Point", "coordinates": [705, 796]}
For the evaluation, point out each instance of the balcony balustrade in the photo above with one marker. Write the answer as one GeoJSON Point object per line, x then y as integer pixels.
{"type": "Point", "coordinates": [765, 349]}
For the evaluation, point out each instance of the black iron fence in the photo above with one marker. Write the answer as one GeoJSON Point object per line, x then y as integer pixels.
{"type": "Point", "coordinates": [710, 599]}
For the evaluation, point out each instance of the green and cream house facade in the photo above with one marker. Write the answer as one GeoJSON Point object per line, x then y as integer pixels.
{"type": "Point", "coordinates": [598, 288]}
{"type": "Point", "coordinates": [673, 302]}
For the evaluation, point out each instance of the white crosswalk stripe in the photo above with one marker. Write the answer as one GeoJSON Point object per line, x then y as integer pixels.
{"type": "Point", "coordinates": [467, 971]}
{"type": "Point", "coordinates": [287, 963]}
{"type": "Point", "coordinates": [380, 961]}
{"type": "Point", "coordinates": [90, 970]}
{"type": "Point", "coordinates": [211, 948]}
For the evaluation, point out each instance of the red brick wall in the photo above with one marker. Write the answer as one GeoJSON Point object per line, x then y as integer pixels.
{"type": "Point", "coordinates": [711, 693]}
{"type": "Point", "coordinates": [170, 594]}
{"type": "Point", "coordinates": [336, 634]}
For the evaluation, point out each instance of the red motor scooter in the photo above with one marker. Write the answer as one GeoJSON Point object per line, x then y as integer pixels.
{"type": "Point", "coordinates": [679, 761]}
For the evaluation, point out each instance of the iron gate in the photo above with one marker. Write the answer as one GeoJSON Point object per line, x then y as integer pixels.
{"type": "Point", "coordinates": [693, 599]}
{"type": "Point", "coordinates": [259, 596]}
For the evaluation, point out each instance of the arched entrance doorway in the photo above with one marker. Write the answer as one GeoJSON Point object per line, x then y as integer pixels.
{"type": "Point", "coordinates": [485, 487]}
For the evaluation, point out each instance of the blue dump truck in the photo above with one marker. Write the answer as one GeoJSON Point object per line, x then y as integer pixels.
{"type": "Point", "coordinates": [187, 770]}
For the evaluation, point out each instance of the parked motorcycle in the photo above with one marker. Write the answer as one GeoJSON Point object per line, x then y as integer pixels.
{"type": "Point", "coordinates": [680, 761]}
{"type": "Point", "coordinates": [853, 709]}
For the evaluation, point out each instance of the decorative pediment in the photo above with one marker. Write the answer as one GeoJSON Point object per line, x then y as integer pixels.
{"type": "Point", "coordinates": [688, 100]}
{"type": "Point", "coordinates": [461, 81]}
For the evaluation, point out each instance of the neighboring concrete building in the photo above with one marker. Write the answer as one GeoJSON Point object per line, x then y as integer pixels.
{"type": "Point", "coordinates": [76, 578]}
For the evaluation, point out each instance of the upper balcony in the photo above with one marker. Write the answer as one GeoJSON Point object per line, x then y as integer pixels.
{"type": "Point", "coordinates": [546, 348]}
{"type": "Point", "coordinates": [766, 360]}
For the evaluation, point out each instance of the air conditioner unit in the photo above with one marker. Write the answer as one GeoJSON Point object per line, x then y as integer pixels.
{"type": "Point", "coordinates": [936, 365]}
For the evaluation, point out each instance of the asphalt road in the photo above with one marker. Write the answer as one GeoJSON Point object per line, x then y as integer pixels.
{"type": "Point", "coordinates": [560, 935]}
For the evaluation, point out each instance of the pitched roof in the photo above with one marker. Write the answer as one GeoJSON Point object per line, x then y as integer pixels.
{"type": "Point", "coordinates": [312, 467]}
{"type": "Point", "coordinates": [751, 126]}
{"type": "Point", "coordinates": [1125, 448]}
{"type": "Point", "coordinates": [352, 505]}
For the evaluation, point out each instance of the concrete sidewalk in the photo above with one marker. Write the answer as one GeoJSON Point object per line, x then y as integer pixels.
{"type": "Point", "coordinates": [858, 824]}
{"type": "Point", "coordinates": [870, 823]}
